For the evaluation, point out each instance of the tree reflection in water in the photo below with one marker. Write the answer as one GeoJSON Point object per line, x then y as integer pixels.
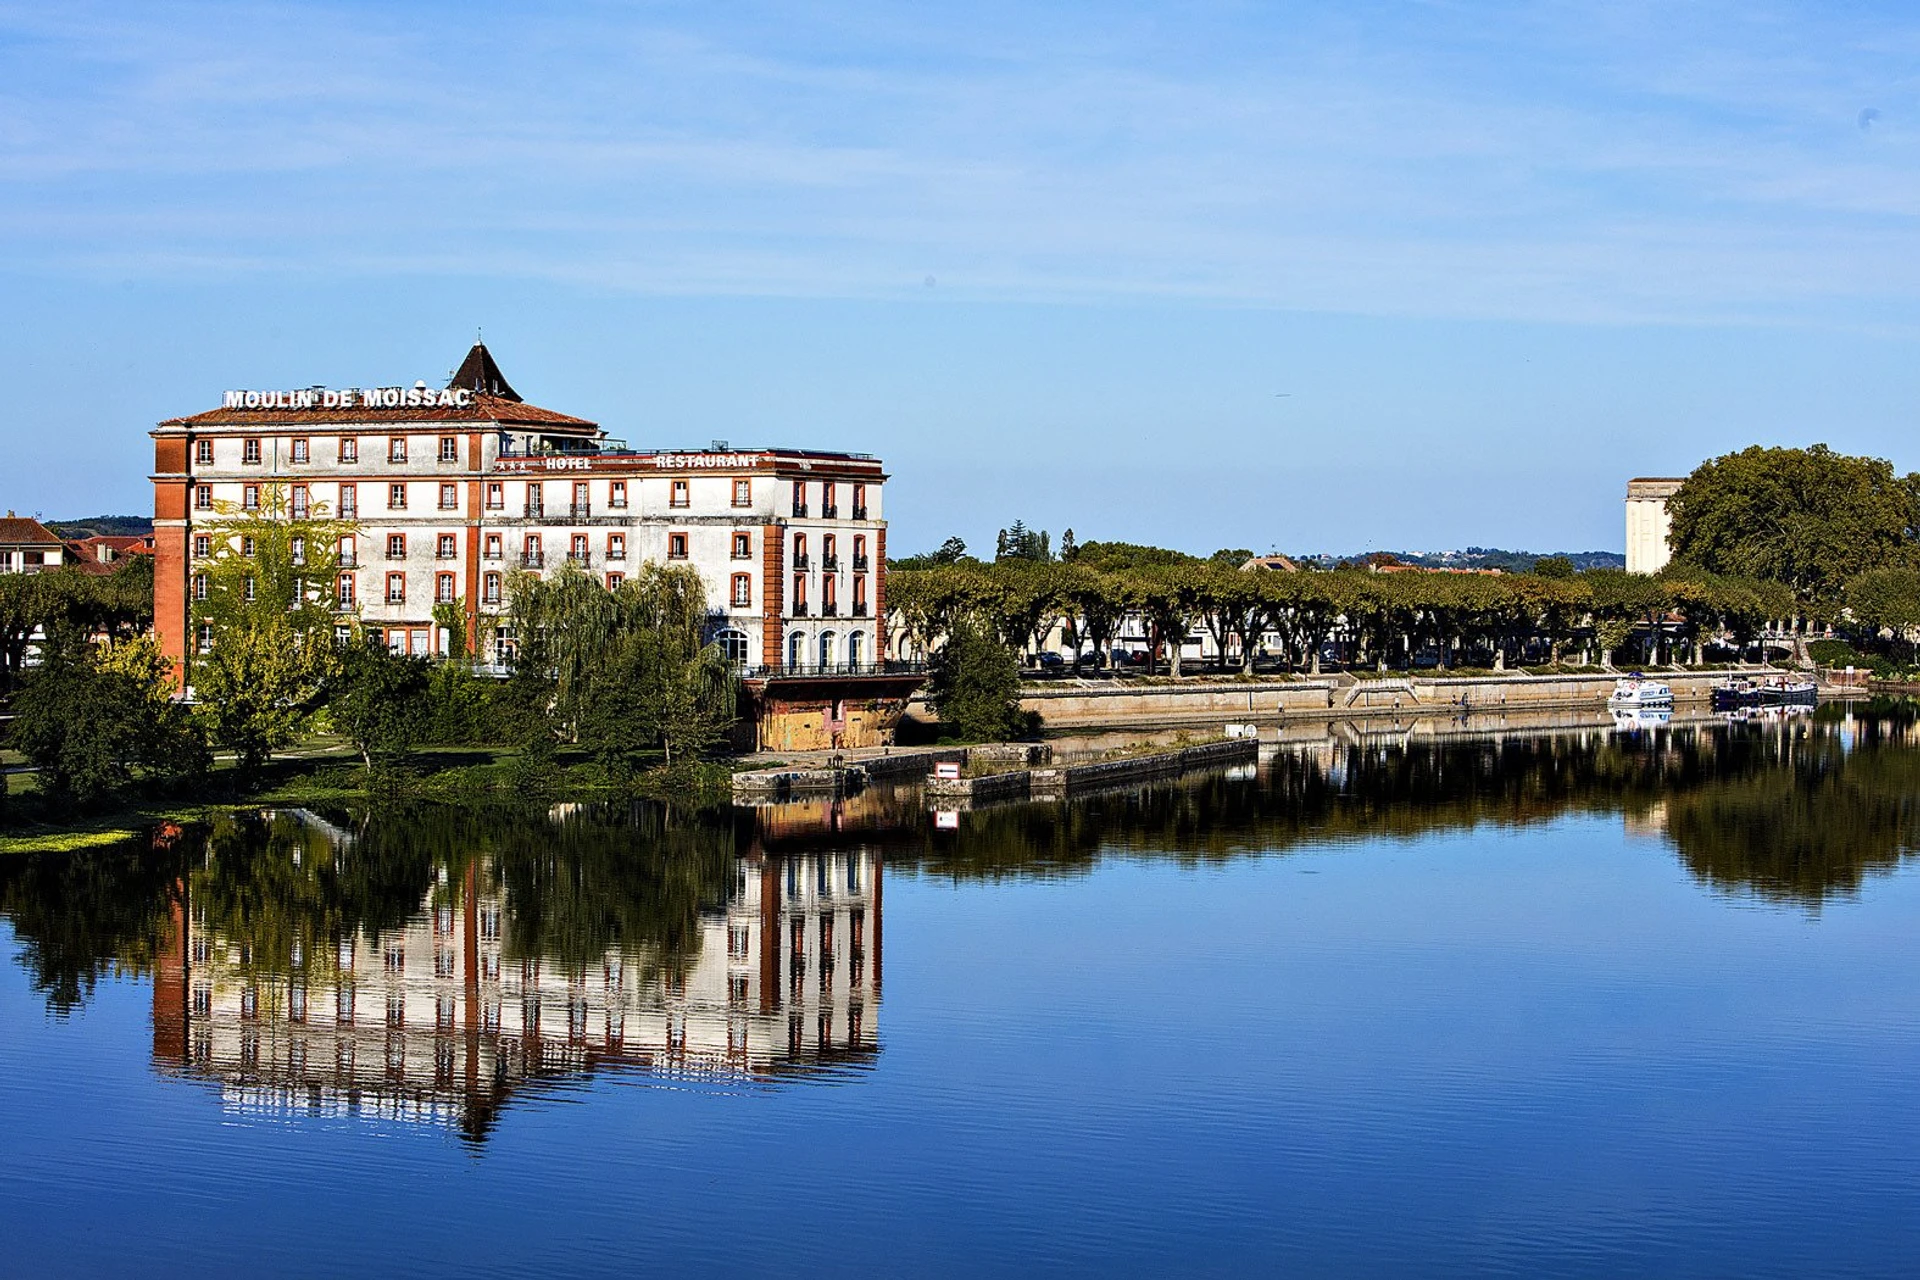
{"type": "Point", "coordinates": [1793, 811]}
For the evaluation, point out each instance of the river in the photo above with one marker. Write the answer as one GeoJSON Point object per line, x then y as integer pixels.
{"type": "Point", "coordinates": [1587, 1002]}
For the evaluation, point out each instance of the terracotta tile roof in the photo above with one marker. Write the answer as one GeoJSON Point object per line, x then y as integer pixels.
{"type": "Point", "coordinates": [483, 409]}
{"type": "Point", "coordinates": [20, 531]}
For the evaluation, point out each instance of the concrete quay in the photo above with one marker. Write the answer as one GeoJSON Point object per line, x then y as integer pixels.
{"type": "Point", "coordinates": [1198, 701]}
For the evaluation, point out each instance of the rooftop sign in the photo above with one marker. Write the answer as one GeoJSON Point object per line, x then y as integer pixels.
{"type": "Point", "coordinates": [418, 396]}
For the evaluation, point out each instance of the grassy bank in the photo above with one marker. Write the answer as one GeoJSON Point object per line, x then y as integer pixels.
{"type": "Point", "coordinates": [325, 771]}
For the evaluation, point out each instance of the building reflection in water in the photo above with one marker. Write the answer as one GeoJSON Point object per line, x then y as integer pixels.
{"type": "Point", "coordinates": [441, 1018]}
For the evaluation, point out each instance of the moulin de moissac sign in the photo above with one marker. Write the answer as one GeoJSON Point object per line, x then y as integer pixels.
{"type": "Point", "coordinates": [417, 396]}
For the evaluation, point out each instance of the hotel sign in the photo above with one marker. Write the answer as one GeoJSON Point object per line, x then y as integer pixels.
{"type": "Point", "coordinates": [418, 396]}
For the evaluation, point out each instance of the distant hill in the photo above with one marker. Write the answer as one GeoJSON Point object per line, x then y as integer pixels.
{"type": "Point", "coordinates": [102, 527]}
{"type": "Point", "coordinates": [1492, 558]}
{"type": "Point", "coordinates": [1512, 561]}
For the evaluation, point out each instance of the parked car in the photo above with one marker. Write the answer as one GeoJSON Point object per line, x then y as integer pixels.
{"type": "Point", "coordinates": [1133, 657]}
{"type": "Point", "coordinates": [1050, 661]}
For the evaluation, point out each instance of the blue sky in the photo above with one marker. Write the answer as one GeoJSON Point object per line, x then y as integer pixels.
{"type": "Point", "coordinates": [1308, 276]}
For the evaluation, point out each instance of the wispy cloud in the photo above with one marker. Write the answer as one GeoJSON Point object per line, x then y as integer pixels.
{"type": "Point", "coordinates": [1550, 161]}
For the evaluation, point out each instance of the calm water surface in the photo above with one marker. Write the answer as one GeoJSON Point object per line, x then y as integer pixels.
{"type": "Point", "coordinates": [1444, 1002]}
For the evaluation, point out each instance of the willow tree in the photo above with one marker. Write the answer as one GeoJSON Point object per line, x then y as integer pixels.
{"type": "Point", "coordinates": [628, 671]}
{"type": "Point", "coordinates": [265, 610]}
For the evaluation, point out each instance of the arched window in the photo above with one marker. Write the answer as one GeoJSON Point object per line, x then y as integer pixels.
{"type": "Point", "coordinates": [734, 644]}
{"type": "Point", "coordinates": [827, 640]}
{"type": "Point", "coordinates": [796, 651]}
{"type": "Point", "coordinates": [856, 646]}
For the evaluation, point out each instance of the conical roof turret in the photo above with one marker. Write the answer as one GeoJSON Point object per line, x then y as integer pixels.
{"type": "Point", "coordinates": [479, 374]}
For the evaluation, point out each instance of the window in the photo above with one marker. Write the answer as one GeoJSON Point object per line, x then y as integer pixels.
{"type": "Point", "coordinates": [859, 502]}
{"type": "Point", "coordinates": [349, 501]}
{"type": "Point", "coordinates": [199, 586]}
{"type": "Point", "coordinates": [248, 590]}
{"type": "Point", "coordinates": [443, 588]}
{"type": "Point", "coordinates": [617, 494]}
{"type": "Point", "coordinates": [856, 652]}
{"type": "Point", "coordinates": [679, 496]}
{"type": "Point", "coordinates": [250, 497]}
{"type": "Point", "coordinates": [300, 502]}
{"type": "Point", "coordinates": [536, 499]}
{"type": "Point", "coordinates": [396, 588]}
{"type": "Point", "coordinates": [676, 546]}
{"type": "Point", "coordinates": [742, 546]}
{"type": "Point", "coordinates": [799, 593]}
{"type": "Point", "coordinates": [799, 550]}
{"type": "Point", "coordinates": [246, 544]}
{"type": "Point", "coordinates": [735, 645]}
{"type": "Point", "coordinates": [396, 449]}
{"type": "Point", "coordinates": [250, 450]}
{"type": "Point", "coordinates": [533, 557]}
{"type": "Point", "coordinates": [614, 580]}
{"type": "Point", "coordinates": [446, 547]}
{"type": "Point", "coordinates": [577, 548]}
{"type": "Point", "coordinates": [202, 545]}
{"type": "Point", "coordinates": [203, 452]}
{"type": "Point", "coordinates": [829, 553]}
{"type": "Point", "coordinates": [616, 546]}
{"type": "Point", "coordinates": [491, 591]}
{"type": "Point", "coordinates": [203, 497]}
{"type": "Point", "coordinates": [343, 591]}
{"type": "Point", "coordinates": [743, 493]}
{"type": "Point", "coordinates": [582, 503]}
{"type": "Point", "coordinates": [493, 546]}
{"type": "Point", "coordinates": [829, 596]}
{"type": "Point", "coordinates": [859, 552]}
{"type": "Point", "coordinates": [206, 637]}
{"type": "Point", "coordinates": [300, 452]}
{"type": "Point", "coordinates": [829, 503]}
{"type": "Point", "coordinates": [349, 448]}
{"type": "Point", "coordinates": [859, 597]}
{"type": "Point", "coordinates": [449, 448]}
{"type": "Point", "coordinates": [496, 495]}
{"type": "Point", "coordinates": [396, 497]}
{"type": "Point", "coordinates": [449, 496]}
{"type": "Point", "coordinates": [396, 546]}
{"type": "Point", "coordinates": [799, 497]}
{"type": "Point", "coordinates": [742, 591]}
{"type": "Point", "coordinates": [346, 551]}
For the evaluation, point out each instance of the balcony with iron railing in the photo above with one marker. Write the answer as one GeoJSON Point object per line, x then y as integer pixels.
{"type": "Point", "coordinates": [800, 510]}
{"type": "Point", "coordinates": [801, 564]}
{"type": "Point", "coordinates": [830, 609]}
{"type": "Point", "coordinates": [829, 564]}
{"type": "Point", "coordinates": [830, 511]}
{"type": "Point", "coordinates": [533, 560]}
{"type": "Point", "coordinates": [799, 609]}
{"type": "Point", "coordinates": [581, 558]}
{"type": "Point", "coordinates": [581, 511]}
{"type": "Point", "coordinates": [859, 608]}
{"type": "Point", "coordinates": [859, 564]}
{"type": "Point", "coordinates": [859, 513]}
{"type": "Point", "coordinates": [887, 667]}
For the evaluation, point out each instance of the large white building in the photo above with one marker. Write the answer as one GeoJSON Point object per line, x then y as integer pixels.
{"type": "Point", "coordinates": [451, 490]}
{"type": "Point", "coordinates": [1649, 526]}
{"type": "Point", "coordinates": [455, 488]}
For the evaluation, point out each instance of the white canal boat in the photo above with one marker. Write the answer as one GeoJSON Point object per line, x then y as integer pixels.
{"type": "Point", "coordinates": [1636, 692]}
